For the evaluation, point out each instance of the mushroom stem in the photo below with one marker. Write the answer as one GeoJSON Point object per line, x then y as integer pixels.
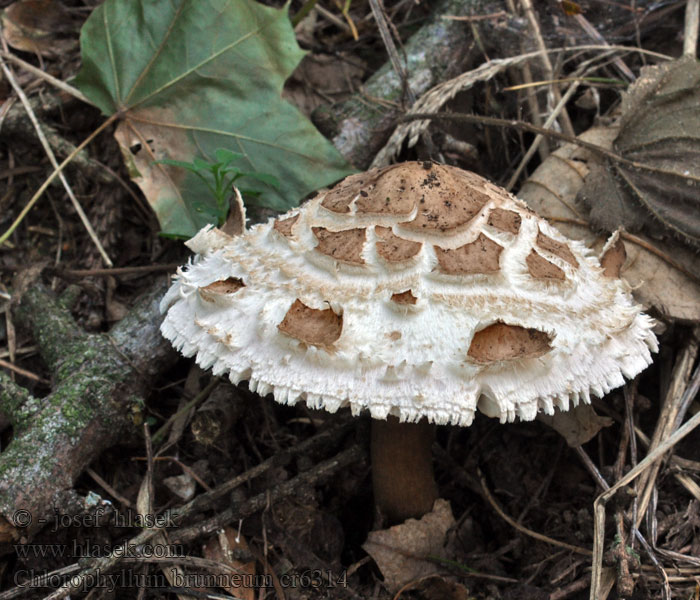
{"type": "Point", "coordinates": [402, 468]}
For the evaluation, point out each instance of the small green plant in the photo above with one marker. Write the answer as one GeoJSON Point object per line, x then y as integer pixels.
{"type": "Point", "coordinates": [219, 176]}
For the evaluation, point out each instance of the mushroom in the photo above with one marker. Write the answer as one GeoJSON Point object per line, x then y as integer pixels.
{"type": "Point", "coordinates": [418, 293]}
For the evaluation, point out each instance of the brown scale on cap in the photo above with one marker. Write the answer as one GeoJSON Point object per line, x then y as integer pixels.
{"type": "Point", "coordinates": [224, 286]}
{"type": "Point", "coordinates": [312, 325]}
{"type": "Point", "coordinates": [613, 259]}
{"type": "Point", "coordinates": [503, 342]}
{"type": "Point", "coordinates": [393, 193]}
{"type": "Point", "coordinates": [506, 220]}
{"type": "Point", "coordinates": [406, 297]}
{"type": "Point", "coordinates": [339, 198]}
{"type": "Point", "coordinates": [392, 248]}
{"type": "Point", "coordinates": [344, 245]}
{"type": "Point", "coordinates": [557, 248]}
{"type": "Point", "coordinates": [481, 256]}
{"type": "Point", "coordinates": [284, 226]}
{"type": "Point", "coordinates": [447, 199]}
{"type": "Point", "coordinates": [540, 268]}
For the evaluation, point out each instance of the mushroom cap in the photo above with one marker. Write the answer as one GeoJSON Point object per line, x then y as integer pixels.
{"type": "Point", "coordinates": [416, 290]}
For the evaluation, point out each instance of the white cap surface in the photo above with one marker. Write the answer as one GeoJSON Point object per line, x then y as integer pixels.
{"type": "Point", "coordinates": [417, 290]}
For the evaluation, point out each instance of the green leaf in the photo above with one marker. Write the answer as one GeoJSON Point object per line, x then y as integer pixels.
{"type": "Point", "coordinates": [190, 77]}
{"type": "Point", "coordinates": [226, 156]}
{"type": "Point", "coordinates": [179, 163]}
{"type": "Point", "coordinates": [203, 165]}
{"type": "Point", "coordinates": [264, 177]}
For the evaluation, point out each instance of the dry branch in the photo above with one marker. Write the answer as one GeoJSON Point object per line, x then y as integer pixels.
{"type": "Point", "coordinates": [97, 378]}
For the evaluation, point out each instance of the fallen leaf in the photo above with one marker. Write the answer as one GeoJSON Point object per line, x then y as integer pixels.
{"type": "Point", "coordinates": [187, 78]}
{"type": "Point", "coordinates": [182, 486]}
{"type": "Point", "coordinates": [435, 588]}
{"type": "Point", "coordinates": [408, 551]}
{"type": "Point", "coordinates": [228, 548]}
{"type": "Point", "coordinates": [577, 425]}
{"type": "Point", "coordinates": [37, 26]}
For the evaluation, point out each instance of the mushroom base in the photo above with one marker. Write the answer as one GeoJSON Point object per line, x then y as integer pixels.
{"type": "Point", "coordinates": [402, 468]}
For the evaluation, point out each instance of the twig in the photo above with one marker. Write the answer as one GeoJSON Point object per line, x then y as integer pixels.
{"type": "Point", "coordinates": [472, 18]}
{"type": "Point", "coordinates": [160, 434]}
{"type": "Point", "coordinates": [601, 501]}
{"type": "Point", "coordinates": [690, 32]}
{"type": "Point", "coordinates": [357, 129]}
{"type": "Point", "coordinates": [593, 33]}
{"type": "Point", "coordinates": [576, 80]}
{"type": "Point", "coordinates": [23, 372]}
{"type": "Point", "coordinates": [496, 122]}
{"type": "Point", "coordinates": [116, 271]}
{"type": "Point", "coordinates": [19, 351]}
{"type": "Point", "coordinates": [433, 99]}
{"type": "Point", "coordinates": [108, 488]}
{"type": "Point", "coordinates": [630, 393]}
{"type": "Point", "coordinates": [12, 396]}
{"type": "Point", "coordinates": [327, 14]}
{"type": "Point", "coordinates": [88, 409]}
{"type": "Point", "coordinates": [525, 530]}
{"type": "Point", "coordinates": [180, 464]}
{"type": "Point", "coordinates": [313, 475]}
{"type": "Point", "coordinates": [61, 85]}
{"type": "Point", "coordinates": [634, 532]}
{"type": "Point", "coordinates": [56, 172]}
{"type": "Point", "coordinates": [52, 158]}
{"type": "Point", "coordinates": [382, 25]}
{"type": "Point", "coordinates": [671, 414]}
{"type": "Point", "coordinates": [539, 137]}
{"type": "Point", "coordinates": [566, 125]}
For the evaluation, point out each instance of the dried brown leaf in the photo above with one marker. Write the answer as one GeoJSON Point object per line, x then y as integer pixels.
{"type": "Point", "coordinates": [436, 588]}
{"type": "Point", "coordinates": [577, 425]}
{"type": "Point", "coordinates": [225, 549]}
{"type": "Point", "coordinates": [36, 26]}
{"type": "Point", "coordinates": [407, 551]}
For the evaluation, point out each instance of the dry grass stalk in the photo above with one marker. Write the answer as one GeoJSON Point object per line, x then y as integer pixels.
{"type": "Point", "coordinates": [437, 96]}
